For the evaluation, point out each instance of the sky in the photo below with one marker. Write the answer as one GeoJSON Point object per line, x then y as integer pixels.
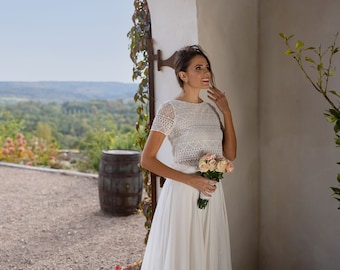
{"type": "Point", "coordinates": [65, 40]}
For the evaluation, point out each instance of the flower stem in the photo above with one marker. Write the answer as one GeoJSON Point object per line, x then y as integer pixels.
{"type": "Point", "coordinates": [202, 203]}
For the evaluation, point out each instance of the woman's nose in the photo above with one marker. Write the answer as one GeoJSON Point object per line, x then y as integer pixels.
{"type": "Point", "coordinates": [206, 70]}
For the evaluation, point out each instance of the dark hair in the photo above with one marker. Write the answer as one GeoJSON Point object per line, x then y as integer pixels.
{"type": "Point", "coordinates": [184, 57]}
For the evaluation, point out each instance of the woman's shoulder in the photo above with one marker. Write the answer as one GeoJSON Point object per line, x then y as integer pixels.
{"type": "Point", "coordinates": [171, 104]}
{"type": "Point", "coordinates": [167, 105]}
{"type": "Point", "coordinates": [166, 109]}
{"type": "Point", "coordinates": [177, 105]}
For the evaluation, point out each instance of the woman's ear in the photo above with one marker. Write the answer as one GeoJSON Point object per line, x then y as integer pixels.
{"type": "Point", "coordinates": [183, 76]}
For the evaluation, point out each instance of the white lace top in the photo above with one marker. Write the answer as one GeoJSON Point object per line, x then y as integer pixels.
{"type": "Point", "coordinates": [193, 130]}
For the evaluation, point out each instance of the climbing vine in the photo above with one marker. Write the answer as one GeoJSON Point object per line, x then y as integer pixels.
{"type": "Point", "coordinates": [140, 36]}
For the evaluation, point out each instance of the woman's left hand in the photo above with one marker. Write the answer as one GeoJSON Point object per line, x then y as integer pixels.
{"type": "Point", "coordinates": [217, 96]}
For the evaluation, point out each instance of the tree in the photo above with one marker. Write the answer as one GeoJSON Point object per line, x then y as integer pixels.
{"type": "Point", "coordinates": [44, 132]}
{"type": "Point", "coordinates": [324, 70]}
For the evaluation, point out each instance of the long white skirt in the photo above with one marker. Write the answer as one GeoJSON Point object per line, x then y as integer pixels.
{"type": "Point", "coordinates": [184, 237]}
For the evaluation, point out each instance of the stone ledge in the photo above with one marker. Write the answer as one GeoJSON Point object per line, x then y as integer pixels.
{"type": "Point", "coordinates": [43, 169]}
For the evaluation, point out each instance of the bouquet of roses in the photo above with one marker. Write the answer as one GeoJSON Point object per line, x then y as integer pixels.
{"type": "Point", "coordinates": [212, 167]}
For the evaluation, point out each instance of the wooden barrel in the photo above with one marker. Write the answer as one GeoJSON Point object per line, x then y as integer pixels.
{"type": "Point", "coordinates": [120, 183]}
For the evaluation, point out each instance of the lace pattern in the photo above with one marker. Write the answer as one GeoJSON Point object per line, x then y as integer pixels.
{"type": "Point", "coordinates": [193, 129]}
{"type": "Point", "coordinates": [164, 119]}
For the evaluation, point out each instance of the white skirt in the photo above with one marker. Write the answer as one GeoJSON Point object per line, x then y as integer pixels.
{"type": "Point", "coordinates": [184, 237]}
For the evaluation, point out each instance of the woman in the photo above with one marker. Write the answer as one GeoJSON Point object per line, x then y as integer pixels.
{"type": "Point", "coordinates": [183, 236]}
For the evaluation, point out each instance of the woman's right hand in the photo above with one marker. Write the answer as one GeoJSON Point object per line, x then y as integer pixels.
{"type": "Point", "coordinates": [204, 185]}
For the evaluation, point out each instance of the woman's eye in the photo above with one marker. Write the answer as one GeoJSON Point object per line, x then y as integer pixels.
{"type": "Point", "coordinates": [202, 68]}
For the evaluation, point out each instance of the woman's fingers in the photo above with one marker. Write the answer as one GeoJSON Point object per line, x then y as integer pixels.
{"type": "Point", "coordinates": [204, 185]}
{"type": "Point", "coordinates": [209, 188]}
{"type": "Point", "coordinates": [219, 98]}
{"type": "Point", "coordinates": [216, 93]}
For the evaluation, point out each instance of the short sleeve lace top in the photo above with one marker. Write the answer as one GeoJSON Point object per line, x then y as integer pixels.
{"type": "Point", "coordinates": [193, 129]}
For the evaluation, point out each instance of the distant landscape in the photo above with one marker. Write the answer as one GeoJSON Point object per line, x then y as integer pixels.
{"type": "Point", "coordinates": [59, 92]}
{"type": "Point", "coordinates": [83, 116]}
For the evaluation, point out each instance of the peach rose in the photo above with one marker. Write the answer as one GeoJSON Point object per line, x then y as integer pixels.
{"type": "Point", "coordinates": [203, 166]}
{"type": "Point", "coordinates": [230, 167]}
{"type": "Point", "coordinates": [209, 156]}
{"type": "Point", "coordinates": [222, 166]}
{"type": "Point", "coordinates": [212, 165]}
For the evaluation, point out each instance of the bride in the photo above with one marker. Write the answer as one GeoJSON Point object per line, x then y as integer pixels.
{"type": "Point", "coordinates": [183, 236]}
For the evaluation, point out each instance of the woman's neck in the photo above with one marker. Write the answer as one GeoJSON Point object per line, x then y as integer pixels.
{"type": "Point", "coordinates": [190, 96]}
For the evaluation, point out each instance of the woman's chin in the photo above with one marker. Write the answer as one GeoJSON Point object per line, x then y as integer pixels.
{"type": "Point", "coordinates": [205, 86]}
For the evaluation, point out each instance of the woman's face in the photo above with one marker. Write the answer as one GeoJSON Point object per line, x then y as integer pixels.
{"type": "Point", "coordinates": [198, 74]}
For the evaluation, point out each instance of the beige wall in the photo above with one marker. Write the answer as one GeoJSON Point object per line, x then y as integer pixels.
{"type": "Point", "coordinates": [228, 32]}
{"type": "Point", "coordinates": [280, 209]}
{"type": "Point", "coordinates": [299, 222]}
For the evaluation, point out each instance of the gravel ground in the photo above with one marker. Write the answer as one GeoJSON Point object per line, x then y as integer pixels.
{"type": "Point", "coordinates": [53, 220]}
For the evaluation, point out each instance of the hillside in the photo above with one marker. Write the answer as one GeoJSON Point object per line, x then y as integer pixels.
{"type": "Point", "coordinates": [46, 92]}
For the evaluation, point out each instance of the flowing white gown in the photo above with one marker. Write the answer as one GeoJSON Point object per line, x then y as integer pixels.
{"type": "Point", "coordinates": [182, 236]}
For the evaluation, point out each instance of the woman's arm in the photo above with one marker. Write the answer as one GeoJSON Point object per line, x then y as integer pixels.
{"type": "Point", "coordinates": [150, 162]}
{"type": "Point", "coordinates": [229, 138]}
{"type": "Point", "coordinates": [229, 143]}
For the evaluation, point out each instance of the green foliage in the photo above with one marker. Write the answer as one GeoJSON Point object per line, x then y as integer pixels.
{"type": "Point", "coordinates": [44, 131]}
{"type": "Point", "coordinates": [140, 38]}
{"type": "Point", "coordinates": [9, 125]}
{"type": "Point", "coordinates": [100, 138]}
{"type": "Point", "coordinates": [67, 123]}
{"type": "Point", "coordinates": [94, 143]}
{"type": "Point", "coordinates": [323, 70]}
{"type": "Point", "coordinates": [89, 126]}
{"type": "Point", "coordinates": [126, 140]}
{"type": "Point", "coordinates": [314, 57]}
{"type": "Point", "coordinates": [337, 191]}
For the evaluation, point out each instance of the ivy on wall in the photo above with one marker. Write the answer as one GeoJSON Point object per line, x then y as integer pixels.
{"type": "Point", "coordinates": [140, 36]}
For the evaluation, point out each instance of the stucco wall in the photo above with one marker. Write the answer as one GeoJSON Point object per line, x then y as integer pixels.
{"type": "Point", "coordinates": [281, 212]}
{"type": "Point", "coordinates": [299, 222]}
{"type": "Point", "coordinates": [179, 23]}
{"type": "Point", "coordinates": [228, 32]}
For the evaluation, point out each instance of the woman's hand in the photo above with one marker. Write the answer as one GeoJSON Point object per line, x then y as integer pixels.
{"type": "Point", "coordinates": [229, 143]}
{"type": "Point", "coordinates": [204, 185]}
{"type": "Point", "coordinates": [219, 98]}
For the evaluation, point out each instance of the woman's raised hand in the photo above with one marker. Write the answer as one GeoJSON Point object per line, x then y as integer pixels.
{"type": "Point", "coordinates": [220, 99]}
